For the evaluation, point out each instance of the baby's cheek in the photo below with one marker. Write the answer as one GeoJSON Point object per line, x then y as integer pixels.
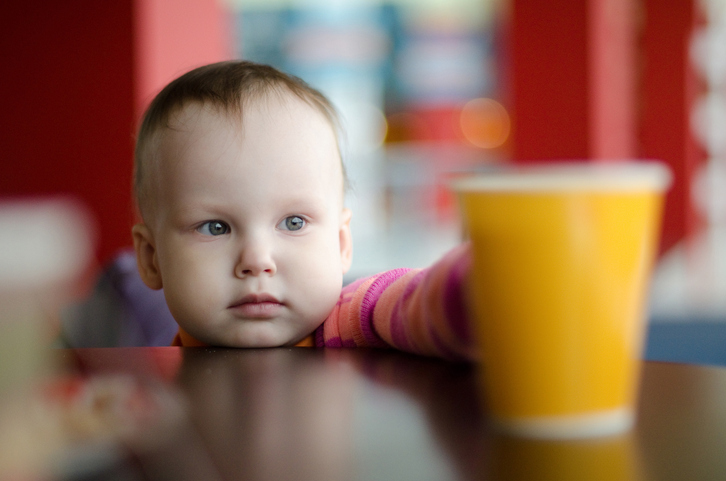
{"type": "Point", "coordinates": [181, 305]}
{"type": "Point", "coordinates": [327, 289]}
{"type": "Point", "coordinates": [190, 299]}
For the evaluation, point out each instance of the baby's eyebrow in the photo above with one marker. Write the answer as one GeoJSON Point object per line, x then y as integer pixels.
{"type": "Point", "coordinates": [305, 202]}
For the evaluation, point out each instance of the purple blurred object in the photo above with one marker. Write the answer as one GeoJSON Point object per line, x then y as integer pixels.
{"type": "Point", "coordinates": [121, 311]}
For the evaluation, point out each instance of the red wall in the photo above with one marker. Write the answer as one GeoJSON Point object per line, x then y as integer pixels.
{"type": "Point", "coordinates": [67, 115]}
{"type": "Point", "coordinates": [74, 78]}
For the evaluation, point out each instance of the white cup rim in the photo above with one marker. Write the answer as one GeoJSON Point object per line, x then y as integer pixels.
{"type": "Point", "coordinates": [558, 176]}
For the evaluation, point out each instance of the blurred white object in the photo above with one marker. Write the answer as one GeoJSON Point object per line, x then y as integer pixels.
{"type": "Point", "coordinates": [44, 247]}
{"type": "Point", "coordinates": [42, 243]}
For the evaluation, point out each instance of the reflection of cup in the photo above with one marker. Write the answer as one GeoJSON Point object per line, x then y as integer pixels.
{"type": "Point", "coordinates": [562, 258]}
{"type": "Point", "coordinates": [612, 458]}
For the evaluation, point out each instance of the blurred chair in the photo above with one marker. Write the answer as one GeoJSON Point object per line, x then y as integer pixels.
{"type": "Point", "coordinates": [121, 311]}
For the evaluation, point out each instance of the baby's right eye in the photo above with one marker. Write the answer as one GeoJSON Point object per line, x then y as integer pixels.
{"type": "Point", "coordinates": [213, 228]}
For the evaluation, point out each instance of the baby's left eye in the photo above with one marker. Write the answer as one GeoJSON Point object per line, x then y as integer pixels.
{"type": "Point", "coordinates": [292, 223]}
{"type": "Point", "coordinates": [213, 228]}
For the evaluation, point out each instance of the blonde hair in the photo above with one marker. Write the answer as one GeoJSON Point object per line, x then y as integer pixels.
{"type": "Point", "coordinates": [225, 85]}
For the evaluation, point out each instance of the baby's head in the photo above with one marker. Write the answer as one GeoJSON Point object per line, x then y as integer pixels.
{"type": "Point", "coordinates": [240, 187]}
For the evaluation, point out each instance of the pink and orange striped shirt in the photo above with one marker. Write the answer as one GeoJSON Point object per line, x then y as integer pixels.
{"type": "Point", "coordinates": [421, 311]}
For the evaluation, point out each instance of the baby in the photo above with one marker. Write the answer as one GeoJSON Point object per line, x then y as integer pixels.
{"type": "Point", "coordinates": [240, 186]}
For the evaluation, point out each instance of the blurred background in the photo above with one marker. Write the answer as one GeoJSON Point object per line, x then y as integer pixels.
{"type": "Point", "coordinates": [427, 89]}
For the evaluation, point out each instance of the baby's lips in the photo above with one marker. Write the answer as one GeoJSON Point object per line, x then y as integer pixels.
{"type": "Point", "coordinates": [256, 298]}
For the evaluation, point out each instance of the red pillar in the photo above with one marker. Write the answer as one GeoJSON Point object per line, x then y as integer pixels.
{"type": "Point", "coordinates": [572, 80]}
{"type": "Point", "coordinates": [75, 76]}
{"type": "Point", "coordinates": [174, 36]}
{"type": "Point", "coordinates": [669, 87]}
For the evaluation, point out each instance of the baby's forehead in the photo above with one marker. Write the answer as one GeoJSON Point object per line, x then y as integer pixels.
{"type": "Point", "coordinates": [243, 122]}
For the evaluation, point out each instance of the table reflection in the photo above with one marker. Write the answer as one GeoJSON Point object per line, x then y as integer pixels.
{"type": "Point", "coordinates": [269, 415]}
{"type": "Point", "coordinates": [370, 414]}
{"type": "Point", "coordinates": [300, 414]}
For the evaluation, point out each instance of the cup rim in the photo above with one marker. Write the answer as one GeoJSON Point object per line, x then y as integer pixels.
{"type": "Point", "coordinates": [557, 176]}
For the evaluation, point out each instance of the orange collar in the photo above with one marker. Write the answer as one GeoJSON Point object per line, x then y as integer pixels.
{"type": "Point", "coordinates": [183, 338]}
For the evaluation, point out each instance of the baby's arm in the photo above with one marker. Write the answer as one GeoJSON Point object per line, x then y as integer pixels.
{"type": "Point", "coordinates": [415, 310]}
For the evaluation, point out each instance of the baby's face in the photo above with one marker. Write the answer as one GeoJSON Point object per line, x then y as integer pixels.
{"type": "Point", "coordinates": [250, 237]}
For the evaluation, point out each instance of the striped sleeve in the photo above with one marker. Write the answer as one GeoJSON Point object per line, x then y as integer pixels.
{"type": "Point", "coordinates": [415, 310]}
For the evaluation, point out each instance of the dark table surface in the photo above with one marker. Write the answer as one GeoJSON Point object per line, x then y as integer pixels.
{"type": "Point", "coordinates": [345, 414]}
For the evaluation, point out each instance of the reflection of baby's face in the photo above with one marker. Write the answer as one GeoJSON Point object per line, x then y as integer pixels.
{"type": "Point", "coordinates": [250, 233]}
{"type": "Point", "coordinates": [272, 413]}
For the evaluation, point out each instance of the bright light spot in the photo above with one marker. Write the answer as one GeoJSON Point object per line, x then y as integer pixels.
{"type": "Point", "coordinates": [485, 123]}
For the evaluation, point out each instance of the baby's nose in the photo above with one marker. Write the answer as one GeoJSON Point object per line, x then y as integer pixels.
{"type": "Point", "coordinates": [255, 259]}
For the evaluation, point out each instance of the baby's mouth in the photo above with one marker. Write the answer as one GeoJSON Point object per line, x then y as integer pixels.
{"type": "Point", "coordinates": [257, 306]}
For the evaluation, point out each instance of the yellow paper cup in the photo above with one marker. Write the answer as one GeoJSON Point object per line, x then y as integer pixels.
{"type": "Point", "coordinates": [562, 257]}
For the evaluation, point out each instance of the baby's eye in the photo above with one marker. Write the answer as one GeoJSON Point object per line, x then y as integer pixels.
{"type": "Point", "coordinates": [294, 222]}
{"type": "Point", "coordinates": [214, 228]}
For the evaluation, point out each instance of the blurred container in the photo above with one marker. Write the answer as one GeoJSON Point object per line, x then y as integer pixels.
{"type": "Point", "coordinates": [44, 246]}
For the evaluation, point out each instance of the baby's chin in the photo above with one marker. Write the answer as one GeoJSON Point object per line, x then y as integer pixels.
{"type": "Point", "coordinates": [255, 344]}
{"type": "Point", "coordinates": [256, 333]}
{"type": "Point", "coordinates": [263, 337]}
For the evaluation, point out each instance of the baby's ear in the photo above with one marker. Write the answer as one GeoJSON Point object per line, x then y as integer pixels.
{"type": "Point", "coordinates": [346, 240]}
{"type": "Point", "coordinates": [146, 256]}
